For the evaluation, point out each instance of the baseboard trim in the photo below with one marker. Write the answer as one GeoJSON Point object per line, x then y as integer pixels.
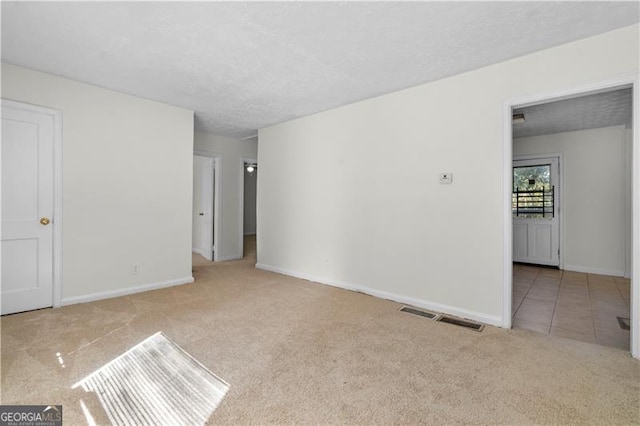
{"type": "Point", "coordinates": [125, 291]}
{"type": "Point", "coordinates": [589, 270]}
{"type": "Point", "coordinates": [419, 303]}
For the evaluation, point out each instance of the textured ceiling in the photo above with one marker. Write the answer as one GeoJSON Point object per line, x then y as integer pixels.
{"type": "Point", "coordinates": [243, 66]}
{"type": "Point", "coordinates": [585, 112]}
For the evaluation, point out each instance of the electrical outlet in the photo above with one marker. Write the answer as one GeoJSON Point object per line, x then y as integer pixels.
{"type": "Point", "coordinates": [135, 269]}
{"type": "Point", "coordinates": [446, 177]}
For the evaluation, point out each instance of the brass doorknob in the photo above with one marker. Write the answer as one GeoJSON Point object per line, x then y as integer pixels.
{"type": "Point", "coordinates": [45, 221]}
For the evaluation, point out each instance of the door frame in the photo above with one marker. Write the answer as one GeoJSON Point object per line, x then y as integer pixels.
{"type": "Point", "coordinates": [243, 160]}
{"type": "Point", "coordinates": [557, 195]}
{"type": "Point", "coordinates": [57, 191]}
{"type": "Point", "coordinates": [217, 199]}
{"type": "Point", "coordinates": [628, 80]}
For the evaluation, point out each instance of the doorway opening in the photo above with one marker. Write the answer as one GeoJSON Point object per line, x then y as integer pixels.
{"type": "Point", "coordinates": [206, 205]}
{"type": "Point", "coordinates": [597, 190]}
{"type": "Point", "coordinates": [248, 188]}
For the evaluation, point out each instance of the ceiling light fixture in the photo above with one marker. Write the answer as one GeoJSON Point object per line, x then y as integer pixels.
{"type": "Point", "coordinates": [518, 118]}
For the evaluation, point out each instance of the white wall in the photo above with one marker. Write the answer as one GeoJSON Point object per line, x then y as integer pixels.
{"type": "Point", "coordinates": [250, 187]}
{"type": "Point", "coordinates": [351, 196]}
{"type": "Point", "coordinates": [231, 152]}
{"type": "Point", "coordinates": [127, 182]}
{"type": "Point", "coordinates": [595, 200]}
{"type": "Point", "coordinates": [629, 197]}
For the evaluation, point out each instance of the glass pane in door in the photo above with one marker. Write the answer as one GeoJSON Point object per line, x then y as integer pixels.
{"type": "Point", "coordinates": [532, 196]}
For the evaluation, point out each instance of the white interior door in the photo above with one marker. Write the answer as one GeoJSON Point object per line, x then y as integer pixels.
{"type": "Point", "coordinates": [27, 210]}
{"type": "Point", "coordinates": [203, 196]}
{"type": "Point", "coordinates": [536, 236]}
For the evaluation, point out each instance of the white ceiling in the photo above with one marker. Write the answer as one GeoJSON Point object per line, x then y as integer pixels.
{"type": "Point", "coordinates": [243, 66]}
{"type": "Point", "coordinates": [612, 108]}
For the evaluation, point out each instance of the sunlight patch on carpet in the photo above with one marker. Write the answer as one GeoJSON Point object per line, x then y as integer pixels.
{"type": "Point", "coordinates": [156, 382]}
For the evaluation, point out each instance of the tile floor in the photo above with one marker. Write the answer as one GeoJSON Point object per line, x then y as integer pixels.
{"type": "Point", "coordinates": [568, 304]}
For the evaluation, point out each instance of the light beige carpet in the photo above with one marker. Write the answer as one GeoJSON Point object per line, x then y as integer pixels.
{"type": "Point", "coordinates": [295, 352]}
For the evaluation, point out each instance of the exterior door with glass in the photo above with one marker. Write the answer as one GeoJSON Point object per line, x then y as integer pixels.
{"type": "Point", "coordinates": [535, 207]}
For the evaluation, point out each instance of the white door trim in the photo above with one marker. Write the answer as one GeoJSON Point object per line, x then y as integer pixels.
{"type": "Point", "coordinates": [559, 194]}
{"type": "Point", "coordinates": [57, 191]}
{"type": "Point", "coordinates": [217, 200]}
{"type": "Point", "coordinates": [241, 211]}
{"type": "Point", "coordinates": [628, 80]}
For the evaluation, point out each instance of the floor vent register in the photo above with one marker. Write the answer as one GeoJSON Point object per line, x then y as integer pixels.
{"type": "Point", "coordinates": [471, 325]}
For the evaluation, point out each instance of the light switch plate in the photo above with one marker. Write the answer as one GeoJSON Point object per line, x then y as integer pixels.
{"type": "Point", "coordinates": [446, 177]}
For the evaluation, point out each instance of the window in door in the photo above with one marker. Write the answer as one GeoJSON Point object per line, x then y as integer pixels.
{"type": "Point", "coordinates": [533, 193]}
